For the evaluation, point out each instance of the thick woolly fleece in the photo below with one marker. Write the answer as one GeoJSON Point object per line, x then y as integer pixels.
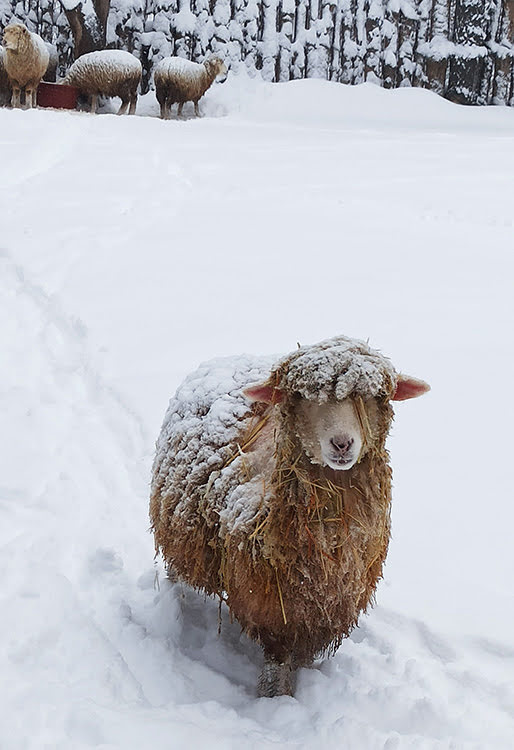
{"type": "Point", "coordinates": [238, 509]}
{"type": "Point", "coordinates": [178, 80]}
{"type": "Point", "coordinates": [26, 56]}
{"type": "Point", "coordinates": [106, 72]}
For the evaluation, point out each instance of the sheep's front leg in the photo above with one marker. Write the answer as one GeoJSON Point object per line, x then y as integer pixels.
{"type": "Point", "coordinates": [277, 678]}
{"type": "Point", "coordinates": [30, 97]}
{"type": "Point", "coordinates": [133, 104]}
{"type": "Point", "coordinates": [16, 97]}
{"type": "Point", "coordinates": [124, 106]}
{"type": "Point", "coordinates": [197, 111]}
{"type": "Point", "coordinates": [94, 104]}
{"type": "Point", "coordinates": [179, 111]}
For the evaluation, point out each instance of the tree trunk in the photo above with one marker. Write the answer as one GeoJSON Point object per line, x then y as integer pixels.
{"type": "Point", "coordinates": [472, 22]}
{"type": "Point", "coordinates": [88, 23]}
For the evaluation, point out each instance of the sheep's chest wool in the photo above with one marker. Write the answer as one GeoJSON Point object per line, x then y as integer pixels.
{"type": "Point", "coordinates": [241, 508]}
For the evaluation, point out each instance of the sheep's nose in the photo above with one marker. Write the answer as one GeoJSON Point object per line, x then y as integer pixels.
{"type": "Point", "coordinates": [342, 444]}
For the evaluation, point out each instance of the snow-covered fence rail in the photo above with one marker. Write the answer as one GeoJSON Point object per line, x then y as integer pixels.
{"type": "Point", "coordinates": [462, 49]}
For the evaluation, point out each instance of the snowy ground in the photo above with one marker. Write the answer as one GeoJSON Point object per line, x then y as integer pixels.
{"type": "Point", "coordinates": [130, 250]}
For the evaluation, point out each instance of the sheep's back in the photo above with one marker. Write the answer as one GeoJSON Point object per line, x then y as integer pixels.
{"type": "Point", "coordinates": [203, 424]}
{"type": "Point", "coordinates": [108, 72]}
{"type": "Point", "coordinates": [195, 478]}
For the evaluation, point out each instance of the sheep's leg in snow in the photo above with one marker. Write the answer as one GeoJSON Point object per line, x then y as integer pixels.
{"type": "Point", "coordinates": [167, 109]}
{"type": "Point", "coordinates": [197, 111]}
{"type": "Point", "coordinates": [16, 97]}
{"type": "Point", "coordinates": [94, 103]}
{"type": "Point", "coordinates": [179, 111]}
{"type": "Point", "coordinates": [277, 678]}
{"type": "Point", "coordinates": [33, 97]}
{"type": "Point", "coordinates": [28, 98]}
{"type": "Point", "coordinates": [133, 104]}
{"type": "Point", "coordinates": [124, 106]}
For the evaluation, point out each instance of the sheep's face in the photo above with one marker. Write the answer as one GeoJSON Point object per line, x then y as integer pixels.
{"type": "Point", "coordinates": [331, 433]}
{"type": "Point", "coordinates": [218, 68]}
{"type": "Point", "coordinates": [13, 35]}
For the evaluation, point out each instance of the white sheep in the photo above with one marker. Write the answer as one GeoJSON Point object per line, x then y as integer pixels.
{"type": "Point", "coordinates": [276, 497]}
{"type": "Point", "coordinates": [107, 73]}
{"type": "Point", "coordinates": [26, 61]}
{"type": "Point", "coordinates": [178, 81]}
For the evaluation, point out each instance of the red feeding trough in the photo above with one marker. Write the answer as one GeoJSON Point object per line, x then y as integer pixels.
{"type": "Point", "coordinates": [57, 95]}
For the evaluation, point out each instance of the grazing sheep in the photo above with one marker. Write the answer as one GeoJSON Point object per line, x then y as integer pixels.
{"type": "Point", "coordinates": [26, 61]}
{"type": "Point", "coordinates": [5, 86]}
{"type": "Point", "coordinates": [276, 497]}
{"type": "Point", "coordinates": [107, 72]}
{"type": "Point", "coordinates": [178, 81]}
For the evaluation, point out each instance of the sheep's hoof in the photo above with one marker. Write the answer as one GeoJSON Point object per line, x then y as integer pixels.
{"type": "Point", "coordinates": [277, 678]}
{"type": "Point", "coordinates": [172, 574]}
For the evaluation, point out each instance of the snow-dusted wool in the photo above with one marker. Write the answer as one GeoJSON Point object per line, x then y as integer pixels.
{"type": "Point", "coordinates": [53, 63]}
{"type": "Point", "coordinates": [178, 81]}
{"type": "Point", "coordinates": [26, 61]}
{"type": "Point", "coordinates": [239, 509]}
{"type": "Point", "coordinates": [107, 73]}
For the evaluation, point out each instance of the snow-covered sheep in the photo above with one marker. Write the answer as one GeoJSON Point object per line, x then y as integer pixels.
{"type": "Point", "coordinates": [26, 61]}
{"type": "Point", "coordinates": [276, 497]}
{"type": "Point", "coordinates": [107, 73]}
{"type": "Point", "coordinates": [179, 81]}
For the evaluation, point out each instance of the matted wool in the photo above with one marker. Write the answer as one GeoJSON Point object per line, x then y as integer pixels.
{"type": "Point", "coordinates": [238, 510]}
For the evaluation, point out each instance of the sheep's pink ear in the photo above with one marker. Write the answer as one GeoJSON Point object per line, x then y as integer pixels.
{"type": "Point", "coordinates": [264, 392]}
{"type": "Point", "coordinates": [408, 387]}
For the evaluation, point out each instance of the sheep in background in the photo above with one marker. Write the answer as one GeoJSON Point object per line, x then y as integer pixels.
{"type": "Point", "coordinates": [178, 81]}
{"type": "Point", "coordinates": [5, 86]}
{"type": "Point", "coordinates": [276, 497]}
{"type": "Point", "coordinates": [107, 73]}
{"type": "Point", "coordinates": [26, 61]}
{"type": "Point", "coordinates": [53, 63]}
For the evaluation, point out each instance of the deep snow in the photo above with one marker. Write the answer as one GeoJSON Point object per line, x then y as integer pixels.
{"type": "Point", "coordinates": [132, 249]}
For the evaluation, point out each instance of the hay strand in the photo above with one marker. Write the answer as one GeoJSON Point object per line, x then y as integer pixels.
{"type": "Point", "coordinates": [280, 598]}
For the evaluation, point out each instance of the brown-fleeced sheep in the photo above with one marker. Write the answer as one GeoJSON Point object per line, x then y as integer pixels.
{"type": "Point", "coordinates": [276, 497]}
{"type": "Point", "coordinates": [178, 81]}
{"type": "Point", "coordinates": [108, 73]}
{"type": "Point", "coordinates": [26, 61]}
